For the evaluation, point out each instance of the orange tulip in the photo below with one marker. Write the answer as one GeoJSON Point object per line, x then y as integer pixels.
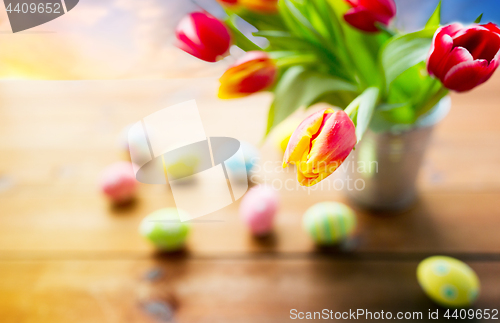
{"type": "Point", "coordinates": [320, 145]}
{"type": "Point", "coordinates": [254, 72]}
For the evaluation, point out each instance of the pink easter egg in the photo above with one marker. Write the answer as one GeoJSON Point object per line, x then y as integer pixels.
{"type": "Point", "coordinates": [118, 182]}
{"type": "Point", "coordinates": [258, 209]}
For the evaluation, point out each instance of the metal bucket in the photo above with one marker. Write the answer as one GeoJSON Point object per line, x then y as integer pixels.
{"type": "Point", "coordinates": [386, 164]}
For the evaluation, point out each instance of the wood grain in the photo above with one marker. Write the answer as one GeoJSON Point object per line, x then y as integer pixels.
{"type": "Point", "coordinates": [54, 147]}
{"type": "Point", "coordinates": [225, 290]}
{"type": "Point", "coordinates": [440, 223]}
{"type": "Point", "coordinates": [67, 255]}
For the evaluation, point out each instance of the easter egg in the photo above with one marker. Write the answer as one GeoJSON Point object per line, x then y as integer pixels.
{"type": "Point", "coordinates": [251, 157]}
{"type": "Point", "coordinates": [329, 223]}
{"type": "Point", "coordinates": [118, 182]}
{"type": "Point", "coordinates": [132, 139]}
{"type": "Point", "coordinates": [448, 281]}
{"type": "Point", "coordinates": [182, 166]}
{"type": "Point", "coordinates": [164, 229]}
{"type": "Point", "coordinates": [258, 209]}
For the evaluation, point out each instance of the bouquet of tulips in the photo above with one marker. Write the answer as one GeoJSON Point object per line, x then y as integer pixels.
{"type": "Point", "coordinates": [345, 53]}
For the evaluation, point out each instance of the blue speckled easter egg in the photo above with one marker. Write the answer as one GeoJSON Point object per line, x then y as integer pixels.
{"type": "Point", "coordinates": [448, 281]}
{"type": "Point", "coordinates": [251, 157]}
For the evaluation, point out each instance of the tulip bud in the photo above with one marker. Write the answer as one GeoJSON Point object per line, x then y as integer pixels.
{"type": "Point", "coordinates": [203, 36]}
{"type": "Point", "coordinates": [254, 72]}
{"type": "Point", "coordinates": [364, 14]}
{"type": "Point", "coordinates": [463, 58]}
{"type": "Point", "coordinates": [320, 145]}
{"type": "Point", "coordinates": [228, 2]}
{"type": "Point", "coordinates": [260, 6]}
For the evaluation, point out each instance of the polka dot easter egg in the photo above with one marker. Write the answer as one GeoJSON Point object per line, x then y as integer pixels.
{"type": "Point", "coordinates": [118, 182]}
{"type": "Point", "coordinates": [448, 281]}
{"type": "Point", "coordinates": [329, 223]}
{"type": "Point", "coordinates": [164, 229]}
{"type": "Point", "coordinates": [258, 209]}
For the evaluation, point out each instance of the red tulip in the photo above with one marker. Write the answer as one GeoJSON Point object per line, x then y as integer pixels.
{"type": "Point", "coordinates": [203, 36]}
{"type": "Point", "coordinates": [463, 58]}
{"type": "Point", "coordinates": [228, 2]}
{"type": "Point", "coordinates": [364, 14]}
{"type": "Point", "coordinates": [254, 72]}
{"type": "Point", "coordinates": [320, 145]}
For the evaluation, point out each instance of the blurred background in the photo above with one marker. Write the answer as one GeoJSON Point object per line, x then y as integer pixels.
{"type": "Point", "coordinates": [67, 254]}
{"type": "Point", "coordinates": [120, 39]}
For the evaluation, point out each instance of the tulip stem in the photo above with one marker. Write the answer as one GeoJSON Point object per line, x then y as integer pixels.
{"type": "Point", "coordinates": [240, 39]}
{"type": "Point", "coordinates": [295, 60]}
{"type": "Point", "coordinates": [431, 103]}
{"type": "Point", "coordinates": [384, 29]}
{"type": "Point", "coordinates": [352, 107]}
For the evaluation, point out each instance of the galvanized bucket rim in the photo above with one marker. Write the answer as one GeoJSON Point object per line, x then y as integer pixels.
{"type": "Point", "coordinates": [430, 119]}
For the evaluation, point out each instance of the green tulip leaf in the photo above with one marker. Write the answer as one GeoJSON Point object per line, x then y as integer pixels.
{"type": "Point", "coordinates": [361, 49]}
{"type": "Point", "coordinates": [281, 40]}
{"type": "Point", "coordinates": [478, 19]}
{"type": "Point", "coordinates": [240, 40]}
{"type": "Point", "coordinates": [297, 22]}
{"type": "Point", "coordinates": [361, 110]}
{"type": "Point", "coordinates": [260, 21]}
{"type": "Point", "coordinates": [307, 21]}
{"type": "Point", "coordinates": [300, 87]}
{"type": "Point", "coordinates": [404, 52]}
{"type": "Point", "coordinates": [329, 19]}
{"type": "Point", "coordinates": [435, 19]}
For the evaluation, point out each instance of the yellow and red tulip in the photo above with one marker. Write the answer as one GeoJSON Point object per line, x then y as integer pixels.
{"type": "Point", "coordinates": [463, 58]}
{"type": "Point", "coordinates": [259, 6]}
{"type": "Point", "coordinates": [203, 36]}
{"type": "Point", "coordinates": [365, 14]}
{"type": "Point", "coordinates": [254, 72]}
{"type": "Point", "coordinates": [319, 145]}
{"type": "Point", "coordinates": [283, 132]}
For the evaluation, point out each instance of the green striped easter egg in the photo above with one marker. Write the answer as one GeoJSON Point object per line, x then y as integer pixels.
{"type": "Point", "coordinates": [329, 223]}
{"type": "Point", "coordinates": [164, 229]}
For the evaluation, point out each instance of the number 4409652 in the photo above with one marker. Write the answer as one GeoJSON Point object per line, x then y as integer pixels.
{"type": "Point", "coordinates": [34, 7]}
{"type": "Point", "coordinates": [487, 314]}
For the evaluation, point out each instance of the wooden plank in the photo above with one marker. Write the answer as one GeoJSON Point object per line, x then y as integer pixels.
{"type": "Point", "coordinates": [225, 290]}
{"type": "Point", "coordinates": [76, 124]}
{"type": "Point", "coordinates": [54, 148]}
{"type": "Point", "coordinates": [81, 222]}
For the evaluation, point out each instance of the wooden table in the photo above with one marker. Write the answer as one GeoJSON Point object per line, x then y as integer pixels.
{"type": "Point", "coordinates": [66, 255]}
